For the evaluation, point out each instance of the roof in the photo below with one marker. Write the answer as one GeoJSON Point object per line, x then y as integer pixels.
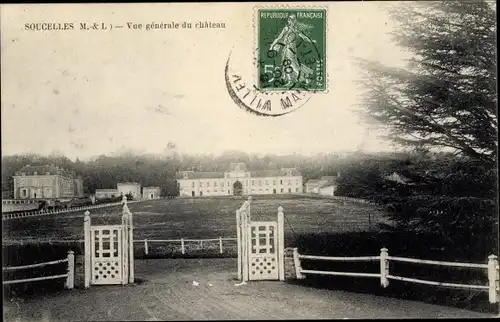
{"type": "Point", "coordinates": [150, 188]}
{"type": "Point", "coordinates": [30, 170]}
{"type": "Point", "coordinates": [203, 175]}
{"type": "Point", "coordinates": [274, 173]}
{"type": "Point", "coordinates": [190, 175]}
{"type": "Point", "coordinates": [323, 182]}
{"type": "Point", "coordinates": [128, 183]}
{"type": "Point", "coordinates": [328, 181]}
{"type": "Point", "coordinates": [106, 190]}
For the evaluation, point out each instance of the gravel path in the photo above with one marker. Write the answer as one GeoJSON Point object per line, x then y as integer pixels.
{"type": "Point", "coordinates": [165, 292]}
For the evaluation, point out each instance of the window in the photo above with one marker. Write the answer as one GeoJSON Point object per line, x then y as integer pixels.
{"type": "Point", "coordinates": [296, 189]}
{"type": "Point", "coordinates": [289, 182]}
{"type": "Point", "coordinates": [267, 183]}
{"type": "Point", "coordinates": [228, 183]}
{"type": "Point", "coordinates": [289, 190]}
{"type": "Point", "coordinates": [253, 182]}
{"type": "Point", "coordinates": [208, 184]}
{"type": "Point", "coordinates": [201, 184]}
{"type": "Point", "coordinates": [297, 181]}
{"type": "Point", "coordinates": [193, 184]}
{"type": "Point", "coordinates": [281, 182]}
{"type": "Point", "coordinates": [274, 181]}
{"type": "Point", "coordinates": [229, 192]}
{"type": "Point", "coordinates": [281, 189]}
{"type": "Point", "coordinates": [260, 182]}
{"type": "Point", "coordinates": [215, 183]}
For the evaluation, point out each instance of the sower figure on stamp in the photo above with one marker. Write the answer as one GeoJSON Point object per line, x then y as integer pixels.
{"type": "Point", "coordinates": [286, 45]}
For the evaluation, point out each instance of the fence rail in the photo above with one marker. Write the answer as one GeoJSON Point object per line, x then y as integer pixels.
{"type": "Point", "coordinates": [183, 241]}
{"type": "Point", "coordinates": [492, 267]}
{"type": "Point", "coordinates": [70, 275]}
{"type": "Point", "coordinates": [16, 268]}
{"type": "Point", "coordinates": [438, 263]}
{"type": "Point", "coordinates": [345, 259]}
{"type": "Point", "coordinates": [60, 211]}
{"type": "Point", "coordinates": [146, 242]}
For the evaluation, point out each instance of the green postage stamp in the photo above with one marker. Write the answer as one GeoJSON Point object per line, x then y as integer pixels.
{"type": "Point", "coordinates": [291, 49]}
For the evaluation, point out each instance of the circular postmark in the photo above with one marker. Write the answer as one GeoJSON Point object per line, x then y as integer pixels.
{"type": "Point", "coordinates": [249, 97]}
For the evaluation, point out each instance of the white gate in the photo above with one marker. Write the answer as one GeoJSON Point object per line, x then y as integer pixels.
{"type": "Point", "coordinates": [109, 251]}
{"type": "Point", "coordinates": [107, 257]}
{"type": "Point", "coordinates": [260, 246]}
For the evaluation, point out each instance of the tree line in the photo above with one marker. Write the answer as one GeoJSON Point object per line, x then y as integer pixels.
{"type": "Point", "coordinates": [155, 170]}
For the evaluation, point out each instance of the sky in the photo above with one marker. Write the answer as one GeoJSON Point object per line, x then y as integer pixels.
{"type": "Point", "coordinates": [86, 93]}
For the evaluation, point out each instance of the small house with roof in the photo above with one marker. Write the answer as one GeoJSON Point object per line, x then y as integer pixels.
{"type": "Point", "coordinates": [150, 193]}
{"type": "Point", "coordinates": [325, 186]}
{"type": "Point", "coordinates": [129, 188]}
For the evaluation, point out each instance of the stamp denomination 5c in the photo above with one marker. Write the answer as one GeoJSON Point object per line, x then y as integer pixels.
{"type": "Point", "coordinates": [291, 49]}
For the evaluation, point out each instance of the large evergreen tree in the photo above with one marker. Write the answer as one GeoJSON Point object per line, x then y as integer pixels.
{"type": "Point", "coordinates": [444, 98]}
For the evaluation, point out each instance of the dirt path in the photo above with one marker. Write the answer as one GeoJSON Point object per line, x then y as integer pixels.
{"type": "Point", "coordinates": [167, 293]}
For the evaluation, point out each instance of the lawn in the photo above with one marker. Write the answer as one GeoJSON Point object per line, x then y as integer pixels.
{"type": "Point", "coordinates": [203, 218]}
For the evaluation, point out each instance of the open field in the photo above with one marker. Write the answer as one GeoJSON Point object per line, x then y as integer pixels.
{"type": "Point", "coordinates": [203, 218]}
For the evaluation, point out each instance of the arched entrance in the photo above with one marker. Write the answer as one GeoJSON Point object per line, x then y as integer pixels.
{"type": "Point", "coordinates": [237, 188]}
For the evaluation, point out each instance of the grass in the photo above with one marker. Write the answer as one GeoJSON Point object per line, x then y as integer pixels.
{"type": "Point", "coordinates": [202, 218]}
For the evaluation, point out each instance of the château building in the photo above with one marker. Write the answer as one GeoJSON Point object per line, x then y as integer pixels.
{"type": "Point", "coordinates": [240, 181]}
{"type": "Point", "coordinates": [46, 182]}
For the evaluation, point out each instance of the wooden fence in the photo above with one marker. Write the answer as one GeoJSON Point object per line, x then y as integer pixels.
{"type": "Point", "coordinates": [146, 242]}
{"type": "Point", "coordinates": [492, 268]}
{"type": "Point", "coordinates": [70, 275]}
{"type": "Point", "coordinates": [60, 211]}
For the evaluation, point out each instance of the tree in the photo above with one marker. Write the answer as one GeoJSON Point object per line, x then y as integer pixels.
{"type": "Point", "coordinates": [446, 97]}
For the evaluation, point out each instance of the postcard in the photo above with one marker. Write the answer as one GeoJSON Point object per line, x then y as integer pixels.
{"type": "Point", "coordinates": [265, 160]}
